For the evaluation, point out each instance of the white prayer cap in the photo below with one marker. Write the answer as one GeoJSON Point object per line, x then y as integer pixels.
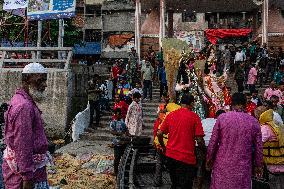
{"type": "Point", "coordinates": [34, 68]}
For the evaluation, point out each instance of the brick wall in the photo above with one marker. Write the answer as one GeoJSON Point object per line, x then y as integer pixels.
{"type": "Point", "coordinates": [147, 42]}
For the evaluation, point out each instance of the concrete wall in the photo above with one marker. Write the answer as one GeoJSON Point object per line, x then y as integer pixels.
{"type": "Point", "coordinates": [66, 94]}
{"type": "Point", "coordinates": [119, 21]}
{"type": "Point", "coordinates": [200, 24]}
{"type": "Point", "coordinates": [93, 23]}
{"type": "Point", "coordinates": [118, 5]}
{"type": "Point", "coordinates": [54, 108]}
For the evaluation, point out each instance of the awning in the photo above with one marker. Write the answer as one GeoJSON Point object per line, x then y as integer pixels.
{"type": "Point", "coordinates": [89, 48]}
{"type": "Point", "coordinates": [214, 34]}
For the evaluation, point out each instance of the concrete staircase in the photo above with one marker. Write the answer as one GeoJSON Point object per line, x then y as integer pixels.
{"type": "Point", "coordinates": [149, 116]}
{"type": "Point", "coordinates": [232, 83]}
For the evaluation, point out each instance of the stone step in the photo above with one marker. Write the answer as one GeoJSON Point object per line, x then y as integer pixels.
{"type": "Point", "coordinates": [149, 108]}
{"type": "Point", "coordinates": [146, 119]}
{"type": "Point", "coordinates": [150, 104]}
{"type": "Point", "coordinates": [102, 135]}
{"type": "Point", "coordinates": [149, 119]}
{"type": "Point", "coordinates": [152, 112]}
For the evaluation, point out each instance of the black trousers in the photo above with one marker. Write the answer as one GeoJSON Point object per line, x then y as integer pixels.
{"type": "Point", "coordinates": [118, 153]}
{"type": "Point", "coordinates": [161, 160]}
{"type": "Point", "coordinates": [147, 88]}
{"type": "Point", "coordinates": [114, 87]}
{"type": "Point", "coordinates": [251, 88]}
{"type": "Point", "coordinates": [95, 106]}
{"type": "Point", "coordinates": [182, 174]}
{"type": "Point", "coordinates": [240, 84]}
{"type": "Point", "coordinates": [163, 88]}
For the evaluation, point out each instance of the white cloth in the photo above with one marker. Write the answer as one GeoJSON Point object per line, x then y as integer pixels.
{"type": "Point", "coordinates": [277, 118]}
{"type": "Point", "coordinates": [239, 57]}
{"type": "Point", "coordinates": [136, 90]}
{"type": "Point", "coordinates": [34, 68]}
{"type": "Point", "coordinates": [103, 87]}
{"type": "Point", "coordinates": [134, 120]}
{"type": "Point", "coordinates": [208, 125]}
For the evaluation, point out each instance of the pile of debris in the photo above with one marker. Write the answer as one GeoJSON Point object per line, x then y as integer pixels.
{"type": "Point", "coordinates": [81, 171]}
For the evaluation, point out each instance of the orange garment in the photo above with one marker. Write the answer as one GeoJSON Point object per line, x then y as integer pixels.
{"type": "Point", "coordinates": [162, 114]}
{"type": "Point", "coordinates": [119, 40]}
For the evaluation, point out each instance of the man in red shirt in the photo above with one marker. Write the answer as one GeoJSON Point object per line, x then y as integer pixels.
{"type": "Point", "coordinates": [122, 105]}
{"type": "Point", "coordinates": [116, 71]}
{"type": "Point", "coordinates": [184, 128]}
{"type": "Point", "coordinates": [250, 106]}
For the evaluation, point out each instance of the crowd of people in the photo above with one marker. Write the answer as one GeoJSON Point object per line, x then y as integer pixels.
{"type": "Point", "coordinates": [242, 143]}
{"type": "Point", "coordinates": [241, 132]}
{"type": "Point", "coordinates": [128, 85]}
{"type": "Point", "coordinates": [237, 138]}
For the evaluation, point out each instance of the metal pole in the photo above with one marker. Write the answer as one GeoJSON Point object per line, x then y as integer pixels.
{"type": "Point", "coordinates": [84, 29]}
{"type": "Point", "coordinates": [265, 22]}
{"type": "Point", "coordinates": [162, 21]}
{"type": "Point", "coordinates": [60, 37]}
{"type": "Point", "coordinates": [137, 28]}
{"type": "Point", "coordinates": [39, 31]}
{"type": "Point", "coordinates": [266, 18]}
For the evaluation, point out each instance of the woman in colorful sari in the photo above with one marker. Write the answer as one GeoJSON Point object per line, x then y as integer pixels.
{"type": "Point", "coordinates": [273, 147]}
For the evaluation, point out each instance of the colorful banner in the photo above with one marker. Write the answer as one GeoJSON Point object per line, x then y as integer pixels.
{"type": "Point", "coordinates": [16, 7]}
{"type": "Point", "coordinates": [50, 9]}
{"type": "Point", "coordinates": [194, 39]}
{"type": "Point", "coordinates": [14, 4]}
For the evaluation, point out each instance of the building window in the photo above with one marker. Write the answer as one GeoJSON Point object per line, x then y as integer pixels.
{"type": "Point", "coordinates": [189, 17]}
{"type": "Point", "coordinates": [93, 11]}
{"type": "Point", "coordinates": [80, 11]}
{"type": "Point", "coordinates": [93, 35]}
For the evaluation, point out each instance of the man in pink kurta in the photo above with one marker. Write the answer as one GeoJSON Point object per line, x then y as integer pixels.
{"type": "Point", "coordinates": [27, 145]}
{"type": "Point", "coordinates": [252, 78]}
{"type": "Point", "coordinates": [272, 90]}
{"type": "Point", "coordinates": [235, 146]}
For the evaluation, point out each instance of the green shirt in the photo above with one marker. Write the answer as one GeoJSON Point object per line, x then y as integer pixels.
{"type": "Point", "coordinates": [147, 73]}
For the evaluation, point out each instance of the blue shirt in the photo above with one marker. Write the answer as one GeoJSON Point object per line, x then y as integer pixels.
{"type": "Point", "coordinates": [120, 127]}
{"type": "Point", "coordinates": [163, 76]}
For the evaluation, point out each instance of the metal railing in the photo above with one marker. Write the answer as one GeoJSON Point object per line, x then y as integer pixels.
{"type": "Point", "coordinates": [34, 54]}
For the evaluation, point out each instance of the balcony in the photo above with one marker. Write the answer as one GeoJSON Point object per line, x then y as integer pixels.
{"type": "Point", "coordinates": [230, 25]}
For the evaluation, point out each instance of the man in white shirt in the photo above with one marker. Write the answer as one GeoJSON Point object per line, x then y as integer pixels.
{"type": "Point", "coordinates": [208, 125]}
{"type": "Point", "coordinates": [147, 76]}
{"type": "Point", "coordinates": [239, 57]}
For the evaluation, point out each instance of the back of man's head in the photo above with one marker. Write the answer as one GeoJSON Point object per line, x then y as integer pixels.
{"type": "Point", "coordinates": [219, 112]}
{"type": "Point", "coordinates": [239, 99]}
{"type": "Point", "coordinates": [187, 99]}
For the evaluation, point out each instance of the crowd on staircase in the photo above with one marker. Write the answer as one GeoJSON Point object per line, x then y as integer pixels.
{"type": "Point", "coordinates": [204, 128]}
